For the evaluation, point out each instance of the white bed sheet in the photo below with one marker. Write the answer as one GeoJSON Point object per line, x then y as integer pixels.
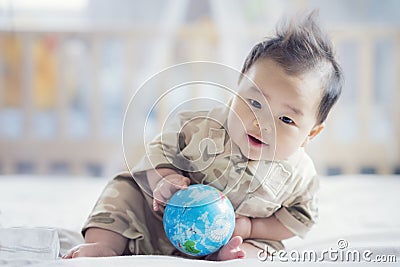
{"type": "Point", "coordinates": [362, 210]}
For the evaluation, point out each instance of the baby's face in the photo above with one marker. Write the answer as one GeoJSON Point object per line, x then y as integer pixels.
{"type": "Point", "coordinates": [275, 118]}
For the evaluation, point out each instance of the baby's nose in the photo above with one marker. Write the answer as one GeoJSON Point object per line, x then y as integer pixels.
{"type": "Point", "coordinates": [264, 127]}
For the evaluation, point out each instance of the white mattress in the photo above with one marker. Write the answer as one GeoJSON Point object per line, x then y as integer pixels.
{"type": "Point", "coordinates": [361, 210]}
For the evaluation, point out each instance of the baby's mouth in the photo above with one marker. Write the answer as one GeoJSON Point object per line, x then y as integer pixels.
{"type": "Point", "coordinates": [255, 141]}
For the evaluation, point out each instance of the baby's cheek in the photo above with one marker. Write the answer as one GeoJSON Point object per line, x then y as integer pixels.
{"type": "Point", "coordinates": [285, 146]}
{"type": "Point", "coordinates": [237, 118]}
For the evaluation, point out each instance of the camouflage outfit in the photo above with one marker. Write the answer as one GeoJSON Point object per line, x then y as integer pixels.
{"type": "Point", "coordinates": [199, 147]}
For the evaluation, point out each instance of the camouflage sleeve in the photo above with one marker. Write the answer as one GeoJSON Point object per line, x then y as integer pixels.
{"type": "Point", "coordinates": [118, 207]}
{"type": "Point", "coordinates": [300, 212]}
{"type": "Point", "coordinates": [110, 210]}
{"type": "Point", "coordinates": [160, 152]}
{"type": "Point", "coordinates": [164, 150]}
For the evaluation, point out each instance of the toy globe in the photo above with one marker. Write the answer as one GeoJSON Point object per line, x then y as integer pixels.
{"type": "Point", "coordinates": [199, 220]}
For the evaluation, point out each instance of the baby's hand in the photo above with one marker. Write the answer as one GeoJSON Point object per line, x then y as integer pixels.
{"type": "Point", "coordinates": [166, 187]}
{"type": "Point", "coordinates": [90, 250]}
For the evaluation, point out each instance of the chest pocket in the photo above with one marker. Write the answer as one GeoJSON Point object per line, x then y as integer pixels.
{"type": "Point", "coordinates": [263, 198]}
{"type": "Point", "coordinates": [269, 179]}
{"type": "Point", "coordinates": [276, 179]}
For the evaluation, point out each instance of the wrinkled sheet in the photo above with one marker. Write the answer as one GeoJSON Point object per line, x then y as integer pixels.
{"type": "Point", "coordinates": [356, 213]}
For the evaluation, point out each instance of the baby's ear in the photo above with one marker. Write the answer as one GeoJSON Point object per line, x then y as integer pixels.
{"type": "Point", "coordinates": [313, 133]}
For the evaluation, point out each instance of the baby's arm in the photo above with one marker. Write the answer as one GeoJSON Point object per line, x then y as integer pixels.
{"type": "Point", "coordinates": [99, 243]}
{"type": "Point", "coordinates": [262, 228]}
{"type": "Point", "coordinates": [102, 242]}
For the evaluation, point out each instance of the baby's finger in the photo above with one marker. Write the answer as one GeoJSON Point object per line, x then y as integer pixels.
{"type": "Point", "coordinates": [68, 255]}
{"type": "Point", "coordinates": [186, 181]}
{"type": "Point", "coordinates": [179, 181]}
{"type": "Point", "coordinates": [155, 205]}
{"type": "Point", "coordinates": [158, 200]}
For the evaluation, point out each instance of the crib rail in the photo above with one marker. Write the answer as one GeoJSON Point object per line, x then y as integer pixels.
{"type": "Point", "coordinates": [61, 109]}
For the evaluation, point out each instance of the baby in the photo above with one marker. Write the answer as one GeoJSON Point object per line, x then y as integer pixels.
{"type": "Point", "coordinates": [252, 150]}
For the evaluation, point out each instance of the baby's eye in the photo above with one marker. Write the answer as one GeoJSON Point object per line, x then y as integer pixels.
{"type": "Point", "coordinates": [286, 120]}
{"type": "Point", "coordinates": [255, 103]}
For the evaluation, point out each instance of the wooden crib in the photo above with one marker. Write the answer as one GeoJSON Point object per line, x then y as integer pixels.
{"type": "Point", "coordinates": [63, 95]}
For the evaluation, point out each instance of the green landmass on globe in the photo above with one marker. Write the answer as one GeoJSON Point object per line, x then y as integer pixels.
{"type": "Point", "coordinates": [199, 220]}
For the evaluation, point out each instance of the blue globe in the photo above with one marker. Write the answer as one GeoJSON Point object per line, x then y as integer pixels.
{"type": "Point", "coordinates": [199, 220]}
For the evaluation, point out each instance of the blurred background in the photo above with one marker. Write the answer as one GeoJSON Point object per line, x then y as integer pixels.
{"type": "Point", "coordinates": [69, 68]}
